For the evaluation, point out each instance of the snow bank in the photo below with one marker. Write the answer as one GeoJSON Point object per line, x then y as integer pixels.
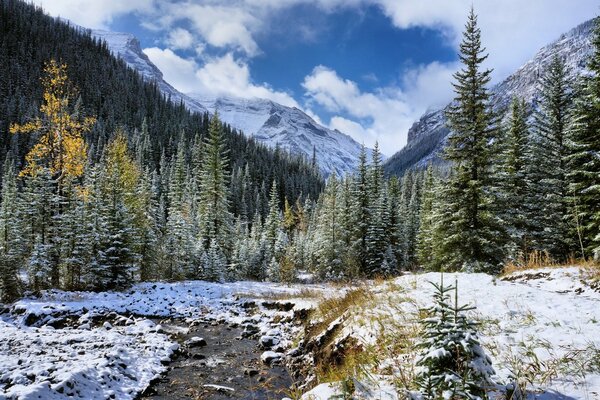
{"type": "Point", "coordinates": [99, 363]}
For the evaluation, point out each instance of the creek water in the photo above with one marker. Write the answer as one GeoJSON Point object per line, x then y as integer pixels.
{"type": "Point", "coordinates": [228, 366]}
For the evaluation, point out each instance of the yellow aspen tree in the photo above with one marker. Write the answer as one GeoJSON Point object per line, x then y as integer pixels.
{"type": "Point", "coordinates": [61, 147]}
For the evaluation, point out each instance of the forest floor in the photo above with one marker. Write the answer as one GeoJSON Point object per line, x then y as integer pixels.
{"type": "Point", "coordinates": [253, 340]}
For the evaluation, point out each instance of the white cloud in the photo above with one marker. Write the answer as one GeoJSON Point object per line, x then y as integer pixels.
{"type": "Point", "coordinates": [221, 76]}
{"type": "Point", "coordinates": [227, 26]}
{"type": "Point", "coordinates": [93, 13]}
{"type": "Point", "coordinates": [180, 38]}
{"type": "Point", "coordinates": [384, 115]}
{"type": "Point", "coordinates": [512, 30]}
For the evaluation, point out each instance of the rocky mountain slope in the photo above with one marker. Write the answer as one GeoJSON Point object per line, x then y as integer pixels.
{"type": "Point", "coordinates": [289, 128]}
{"type": "Point", "coordinates": [268, 122]}
{"type": "Point", "coordinates": [427, 136]}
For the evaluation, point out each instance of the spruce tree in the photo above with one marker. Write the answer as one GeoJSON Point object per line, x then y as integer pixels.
{"type": "Point", "coordinates": [514, 184]}
{"type": "Point", "coordinates": [471, 229]}
{"type": "Point", "coordinates": [425, 243]}
{"type": "Point", "coordinates": [451, 364]}
{"type": "Point", "coordinates": [11, 241]}
{"type": "Point", "coordinates": [551, 218]}
{"type": "Point", "coordinates": [583, 160]}
{"type": "Point", "coordinates": [215, 218]}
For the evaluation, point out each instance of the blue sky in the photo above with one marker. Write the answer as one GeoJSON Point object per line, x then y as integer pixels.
{"type": "Point", "coordinates": [369, 68]}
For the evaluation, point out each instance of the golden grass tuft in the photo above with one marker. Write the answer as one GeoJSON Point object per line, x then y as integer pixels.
{"type": "Point", "coordinates": [542, 259]}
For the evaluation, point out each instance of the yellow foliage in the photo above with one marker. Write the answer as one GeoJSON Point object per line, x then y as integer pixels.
{"type": "Point", "coordinates": [122, 170]}
{"type": "Point", "coordinates": [61, 147]}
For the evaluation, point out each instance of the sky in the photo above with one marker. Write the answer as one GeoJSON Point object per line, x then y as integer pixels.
{"type": "Point", "coordinates": [369, 68]}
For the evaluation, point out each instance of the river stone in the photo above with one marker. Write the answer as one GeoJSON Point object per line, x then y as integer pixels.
{"type": "Point", "coordinates": [270, 357]}
{"type": "Point", "coordinates": [195, 342]}
{"type": "Point", "coordinates": [267, 341]}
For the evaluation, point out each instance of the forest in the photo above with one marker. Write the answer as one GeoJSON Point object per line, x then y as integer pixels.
{"type": "Point", "coordinates": [108, 194]}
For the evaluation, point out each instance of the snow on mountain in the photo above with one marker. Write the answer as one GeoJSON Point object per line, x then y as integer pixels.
{"type": "Point", "coordinates": [289, 128]}
{"type": "Point", "coordinates": [427, 136]}
{"type": "Point", "coordinates": [127, 47]}
{"type": "Point", "coordinates": [266, 121]}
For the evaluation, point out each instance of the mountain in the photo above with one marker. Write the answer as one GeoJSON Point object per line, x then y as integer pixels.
{"type": "Point", "coordinates": [267, 122]}
{"type": "Point", "coordinates": [427, 136]}
{"type": "Point", "coordinates": [127, 47]}
{"type": "Point", "coordinates": [289, 128]}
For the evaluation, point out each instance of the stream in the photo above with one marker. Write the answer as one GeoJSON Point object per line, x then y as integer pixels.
{"type": "Point", "coordinates": [226, 366]}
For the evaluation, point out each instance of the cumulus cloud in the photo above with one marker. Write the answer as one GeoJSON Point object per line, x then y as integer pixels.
{"type": "Point", "coordinates": [512, 30]}
{"type": "Point", "coordinates": [180, 38]}
{"type": "Point", "coordinates": [220, 76]}
{"type": "Point", "coordinates": [93, 13]}
{"type": "Point", "coordinates": [384, 115]}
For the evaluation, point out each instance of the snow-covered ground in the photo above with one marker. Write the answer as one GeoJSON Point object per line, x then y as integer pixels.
{"type": "Point", "coordinates": [544, 325]}
{"type": "Point", "coordinates": [93, 358]}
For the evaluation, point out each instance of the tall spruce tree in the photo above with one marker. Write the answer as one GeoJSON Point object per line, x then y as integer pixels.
{"type": "Point", "coordinates": [11, 239]}
{"type": "Point", "coordinates": [216, 221]}
{"type": "Point", "coordinates": [515, 194]}
{"type": "Point", "coordinates": [471, 231]}
{"type": "Point", "coordinates": [552, 219]}
{"type": "Point", "coordinates": [425, 243]}
{"type": "Point", "coordinates": [584, 159]}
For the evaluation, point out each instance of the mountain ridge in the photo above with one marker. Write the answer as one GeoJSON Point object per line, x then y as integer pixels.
{"type": "Point", "coordinates": [428, 135]}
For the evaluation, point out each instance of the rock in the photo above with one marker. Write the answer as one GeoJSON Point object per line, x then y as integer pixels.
{"type": "Point", "coordinates": [107, 325]}
{"type": "Point", "coordinates": [267, 341]}
{"type": "Point", "coordinates": [251, 372]}
{"type": "Point", "coordinates": [195, 342]}
{"type": "Point", "coordinates": [197, 356]}
{"type": "Point", "coordinates": [271, 357]}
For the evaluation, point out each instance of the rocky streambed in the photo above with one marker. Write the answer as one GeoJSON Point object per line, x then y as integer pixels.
{"type": "Point", "coordinates": [222, 361]}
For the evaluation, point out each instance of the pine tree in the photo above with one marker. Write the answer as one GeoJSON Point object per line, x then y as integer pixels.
{"type": "Point", "coordinates": [11, 243]}
{"type": "Point", "coordinates": [471, 230]}
{"type": "Point", "coordinates": [425, 243]}
{"type": "Point", "coordinates": [362, 210]}
{"type": "Point", "coordinates": [215, 219]}
{"type": "Point", "coordinates": [451, 363]}
{"type": "Point", "coordinates": [551, 218]}
{"type": "Point", "coordinates": [515, 193]}
{"type": "Point", "coordinates": [583, 161]}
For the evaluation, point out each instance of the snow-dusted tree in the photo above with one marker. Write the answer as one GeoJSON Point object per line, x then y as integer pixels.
{"type": "Point", "coordinates": [361, 210]}
{"type": "Point", "coordinates": [425, 241]}
{"type": "Point", "coordinates": [216, 263]}
{"type": "Point", "coordinates": [551, 218]}
{"type": "Point", "coordinates": [584, 160]}
{"type": "Point", "coordinates": [451, 363]}
{"type": "Point", "coordinates": [471, 229]}
{"type": "Point", "coordinates": [115, 253]}
{"type": "Point", "coordinates": [514, 186]}
{"type": "Point", "coordinates": [179, 240]}
{"type": "Point", "coordinates": [11, 236]}
{"type": "Point", "coordinates": [215, 219]}
{"type": "Point", "coordinates": [41, 226]}
{"type": "Point", "coordinates": [273, 223]}
{"type": "Point", "coordinates": [328, 236]}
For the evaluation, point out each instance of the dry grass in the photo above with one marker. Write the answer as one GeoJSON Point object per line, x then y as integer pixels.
{"type": "Point", "coordinates": [332, 308]}
{"type": "Point", "coordinates": [538, 259]}
{"type": "Point", "coordinates": [304, 293]}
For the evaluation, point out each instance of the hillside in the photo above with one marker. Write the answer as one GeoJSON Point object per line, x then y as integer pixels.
{"type": "Point", "coordinates": [118, 96]}
{"type": "Point", "coordinates": [427, 136]}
